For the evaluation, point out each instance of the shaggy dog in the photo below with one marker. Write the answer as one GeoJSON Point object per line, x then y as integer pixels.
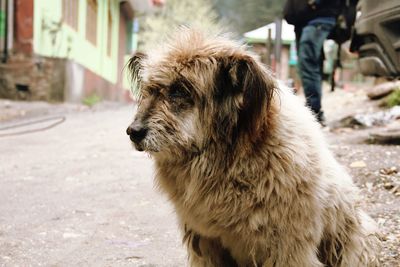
{"type": "Point", "coordinates": [244, 162]}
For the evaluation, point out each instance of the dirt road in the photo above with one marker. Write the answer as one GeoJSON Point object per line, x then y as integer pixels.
{"type": "Point", "coordinates": [79, 195]}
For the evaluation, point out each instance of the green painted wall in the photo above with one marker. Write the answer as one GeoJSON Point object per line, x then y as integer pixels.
{"type": "Point", "coordinates": [2, 23]}
{"type": "Point", "coordinates": [53, 38]}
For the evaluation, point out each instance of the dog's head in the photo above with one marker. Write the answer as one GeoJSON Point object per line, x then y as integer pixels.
{"type": "Point", "coordinates": [197, 91]}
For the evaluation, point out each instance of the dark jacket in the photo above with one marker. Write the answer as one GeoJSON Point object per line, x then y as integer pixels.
{"type": "Point", "coordinates": [300, 12]}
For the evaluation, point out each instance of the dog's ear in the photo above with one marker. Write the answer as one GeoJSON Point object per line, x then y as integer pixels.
{"type": "Point", "coordinates": [258, 88]}
{"type": "Point", "coordinates": [134, 66]}
{"type": "Point", "coordinates": [253, 87]}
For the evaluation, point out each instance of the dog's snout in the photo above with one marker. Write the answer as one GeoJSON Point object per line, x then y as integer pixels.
{"type": "Point", "coordinates": [136, 132]}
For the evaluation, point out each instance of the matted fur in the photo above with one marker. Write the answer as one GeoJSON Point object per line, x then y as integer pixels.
{"type": "Point", "coordinates": [244, 162]}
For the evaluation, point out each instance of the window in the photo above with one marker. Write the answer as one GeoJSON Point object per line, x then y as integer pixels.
{"type": "Point", "coordinates": [70, 11]}
{"type": "Point", "coordinates": [91, 21]}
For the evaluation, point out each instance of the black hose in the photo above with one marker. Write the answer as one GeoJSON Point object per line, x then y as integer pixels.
{"type": "Point", "coordinates": [60, 119]}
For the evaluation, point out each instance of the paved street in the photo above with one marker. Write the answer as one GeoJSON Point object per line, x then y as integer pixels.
{"type": "Point", "coordinates": [79, 195]}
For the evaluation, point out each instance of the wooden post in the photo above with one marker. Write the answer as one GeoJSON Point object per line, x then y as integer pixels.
{"type": "Point", "coordinates": [278, 46]}
{"type": "Point", "coordinates": [268, 45]}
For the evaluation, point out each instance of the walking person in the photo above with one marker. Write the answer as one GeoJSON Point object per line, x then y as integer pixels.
{"type": "Point", "coordinates": [313, 21]}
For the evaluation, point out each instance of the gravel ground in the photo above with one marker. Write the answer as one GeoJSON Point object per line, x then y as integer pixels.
{"type": "Point", "coordinates": [375, 168]}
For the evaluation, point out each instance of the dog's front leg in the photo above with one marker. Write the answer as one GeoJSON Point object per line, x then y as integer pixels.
{"type": "Point", "coordinates": [207, 252]}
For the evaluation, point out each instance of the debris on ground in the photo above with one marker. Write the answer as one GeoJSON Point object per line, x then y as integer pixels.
{"type": "Point", "coordinates": [386, 136]}
{"type": "Point", "coordinates": [389, 179]}
{"type": "Point", "coordinates": [382, 90]}
{"type": "Point", "coordinates": [365, 120]}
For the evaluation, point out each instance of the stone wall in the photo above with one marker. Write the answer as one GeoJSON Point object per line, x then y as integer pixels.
{"type": "Point", "coordinates": [53, 80]}
{"type": "Point", "coordinates": [33, 78]}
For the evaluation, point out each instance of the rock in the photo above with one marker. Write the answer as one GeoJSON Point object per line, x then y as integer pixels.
{"type": "Point", "coordinates": [388, 185]}
{"type": "Point", "coordinates": [388, 171]}
{"type": "Point", "coordinates": [382, 90]}
{"type": "Point", "coordinates": [358, 164]}
{"type": "Point", "coordinates": [395, 190]}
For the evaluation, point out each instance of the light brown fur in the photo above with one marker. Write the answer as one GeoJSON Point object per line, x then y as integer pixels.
{"type": "Point", "coordinates": [244, 162]}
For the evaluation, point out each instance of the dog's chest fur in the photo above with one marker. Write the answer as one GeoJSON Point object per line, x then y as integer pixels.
{"type": "Point", "coordinates": [216, 198]}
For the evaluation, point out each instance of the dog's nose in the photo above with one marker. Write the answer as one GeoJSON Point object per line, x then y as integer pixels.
{"type": "Point", "coordinates": [136, 132]}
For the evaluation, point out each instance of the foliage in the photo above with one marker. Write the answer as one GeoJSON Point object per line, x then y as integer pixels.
{"type": "Point", "coordinates": [199, 14]}
{"type": "Point", "coordinates": [236, 16]}
{"type": "Point", "coordinates": [393, 99]}
{"type": "Point", "coordinates": [247, 15]}
{"type": "Point", "coordinates": [91, 100]}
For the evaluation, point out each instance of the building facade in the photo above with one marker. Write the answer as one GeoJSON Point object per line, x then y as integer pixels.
{"type": "Point", "coordinates": [66, 50]}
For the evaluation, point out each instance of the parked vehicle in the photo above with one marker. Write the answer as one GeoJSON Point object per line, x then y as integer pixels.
{"type": "Point", "coordinates": [376, 37]}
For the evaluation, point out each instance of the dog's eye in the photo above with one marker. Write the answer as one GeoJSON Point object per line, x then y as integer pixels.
{"type": "Point", "coordinates": [177, 92]}
{"type": "Point", "coordinates": [154, 91]}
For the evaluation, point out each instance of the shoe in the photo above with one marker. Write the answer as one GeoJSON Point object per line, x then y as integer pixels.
{"type": "Point", "coordinates": [321, 118]}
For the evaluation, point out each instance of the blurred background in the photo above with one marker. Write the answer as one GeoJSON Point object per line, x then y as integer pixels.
{"type": "Point", "coordinates": [76, 50]}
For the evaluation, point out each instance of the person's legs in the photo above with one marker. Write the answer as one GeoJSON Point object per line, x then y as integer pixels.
{"type": "Point", "coordinates": [310, 46]}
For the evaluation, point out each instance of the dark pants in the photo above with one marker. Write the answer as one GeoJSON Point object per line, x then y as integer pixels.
{"type": "Point", "coordinates": [310, 55]}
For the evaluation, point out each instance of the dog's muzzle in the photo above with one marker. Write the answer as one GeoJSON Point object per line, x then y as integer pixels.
{"type": "Point", "coordinates": [137, 132]}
